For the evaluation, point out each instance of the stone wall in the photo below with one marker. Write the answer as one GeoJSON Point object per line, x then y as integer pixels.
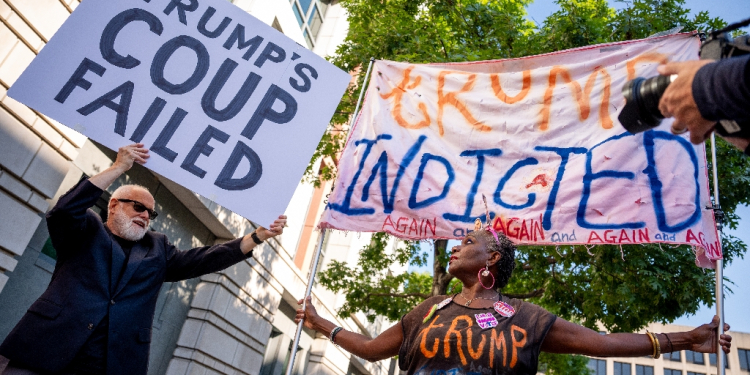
{"type": "Point", "coordinates": [35, 151]}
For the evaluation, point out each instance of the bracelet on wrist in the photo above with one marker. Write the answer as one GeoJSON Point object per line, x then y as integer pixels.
{"type": "Point", "coordinates": [669, 344]}
{"type": "Point", "coordinates": [655, 344]}
{"type": "Point", "coordinates": [256, 239]}
{"type": "Point", "coordinates": [334, 332]}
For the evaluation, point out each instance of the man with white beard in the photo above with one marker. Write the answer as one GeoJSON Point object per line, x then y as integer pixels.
{"type": "Point", "coordinates": [95, 316]}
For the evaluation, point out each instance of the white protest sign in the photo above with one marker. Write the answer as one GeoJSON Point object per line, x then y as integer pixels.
{"type": "Point", "coordinates": [539, 137]}
{"type": "Point", "coordinates": [229, 107]}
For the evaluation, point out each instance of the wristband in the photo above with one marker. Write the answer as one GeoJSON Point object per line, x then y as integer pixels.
{"type": "Point", "coordinates": [255, 238]}
{"type": "Point", "coordinates": [334, 332]}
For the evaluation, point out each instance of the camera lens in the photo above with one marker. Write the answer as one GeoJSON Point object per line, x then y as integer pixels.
{"type": "Point", "coordinates": [641, 111]}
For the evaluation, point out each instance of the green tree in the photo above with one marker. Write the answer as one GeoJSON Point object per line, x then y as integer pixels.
{"type": "Point", "coordinates": [587, 285]}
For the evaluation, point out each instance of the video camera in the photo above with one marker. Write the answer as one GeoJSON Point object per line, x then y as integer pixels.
{"type": "Point", "coordinates": [642, 95]}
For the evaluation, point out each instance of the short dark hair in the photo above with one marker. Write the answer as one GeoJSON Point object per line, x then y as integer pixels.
{"type": "Point", "coordinates": [503, 268]}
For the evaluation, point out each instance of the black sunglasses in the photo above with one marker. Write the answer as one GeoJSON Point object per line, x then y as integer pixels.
{"type": "Point", "coordinates": [140, 207]}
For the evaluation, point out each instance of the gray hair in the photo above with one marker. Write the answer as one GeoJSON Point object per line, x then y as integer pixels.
{"type": "Point", "coordinates": [125, 189]}
{"type": "Point", "coordinates": [503, 268]}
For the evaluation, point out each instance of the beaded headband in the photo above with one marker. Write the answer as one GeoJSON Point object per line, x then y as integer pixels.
{"type": "Point", "coordinates": [478, 221]}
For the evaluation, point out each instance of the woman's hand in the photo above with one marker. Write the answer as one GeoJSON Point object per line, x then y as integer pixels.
{"type": "Point", "coordinates": [704, 338]}
{"type": "Point", "coordinates": [384, 346]}
{"type": "Point", "coordinates": [308, 314]}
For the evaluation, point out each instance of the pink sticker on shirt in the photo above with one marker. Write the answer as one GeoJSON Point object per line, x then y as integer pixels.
{"type": "Point", "coordinates": [444, 303]}
{"type": "Point", "coordinates": [504, 309]}
{"type": "Point", "coordinates": [486, 320]}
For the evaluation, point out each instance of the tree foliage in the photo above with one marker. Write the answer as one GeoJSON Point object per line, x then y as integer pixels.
{"type": "Point", "coordinates": [622, 288]}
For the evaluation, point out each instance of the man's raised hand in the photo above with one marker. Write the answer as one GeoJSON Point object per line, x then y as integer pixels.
{"type": "Point", "coordinates": [127, 155]}
{"type": "Point", "coordinates": [273, 230]}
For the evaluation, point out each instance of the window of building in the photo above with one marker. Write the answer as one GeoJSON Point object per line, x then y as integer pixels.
{"type": "Point", "coordinates": [694, 357]}
{"type": "Point", "coordinates": [712, 359]}
{"type": "Point", "coordinates": [622, 368]}
{"type": "Point", "coordinates": [644, 370]}
{"type": "Point", "coordinates": [669, 371]}
{"type": "Point", "coordinates": [274, 360]}
{"type": "Point", "coordinates": [598, 366]}
{"type": "Point", "coordinates": [353, 370]}
{"type": "Point", "coordinates": [695, 373]}
{"type": "Point", "coordinates": [310, 15]}
{"type": "Point", "coordinates": [744, 359]}
{"type": "Point", "coordinates": [278, 353]}
{"type": "Point", "coordinates": [674, 356]}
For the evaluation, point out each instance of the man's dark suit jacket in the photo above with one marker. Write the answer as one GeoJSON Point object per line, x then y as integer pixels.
{"type": "Point", "coordinates": [83, 291]}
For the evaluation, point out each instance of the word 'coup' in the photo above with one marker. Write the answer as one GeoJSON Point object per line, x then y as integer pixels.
{"type": "Point", "coordinates": [276, 106]}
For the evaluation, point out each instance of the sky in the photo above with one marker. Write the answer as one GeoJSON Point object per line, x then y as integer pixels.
{"type": "Point", "coordinates": [736, 304]}
{"type": "Point", "coordinates": [730, 11]}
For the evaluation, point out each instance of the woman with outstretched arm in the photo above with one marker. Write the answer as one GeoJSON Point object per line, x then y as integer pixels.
{"type": "Point", "coordinates": [481, 331]}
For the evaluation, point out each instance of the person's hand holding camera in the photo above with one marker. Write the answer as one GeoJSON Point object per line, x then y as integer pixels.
{"type": "Point", "coordinates": [678, 101]}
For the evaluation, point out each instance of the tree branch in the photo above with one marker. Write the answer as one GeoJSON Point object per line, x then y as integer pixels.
{"type": "Point", "coordinates": [399, 295]}
{"type": "Point", "coordinates": [441, 277]}
{"type": "Point", "coordinates": [527, 266]}
{"type": "Point", "coordinates": [532, 294]}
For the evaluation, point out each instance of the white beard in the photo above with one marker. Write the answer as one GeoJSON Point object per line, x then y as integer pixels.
{"type": "Point", "coordinates": [127, 227]}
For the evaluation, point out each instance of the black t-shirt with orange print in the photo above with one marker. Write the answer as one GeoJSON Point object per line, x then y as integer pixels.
{"type": "Point", "coordinates": [451, 341]}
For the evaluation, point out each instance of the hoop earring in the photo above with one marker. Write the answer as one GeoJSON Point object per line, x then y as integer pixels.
{"type": "Point", "coordinates": [479, 277]}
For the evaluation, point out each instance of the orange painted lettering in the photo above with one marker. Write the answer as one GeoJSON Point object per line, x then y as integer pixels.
{"type": "Point", "coordinates": [517, 343]}
{"type": "Point", "coordinates": [451, 98]}
{"type": "Point", "coordinates": [480, 348]}
{"type": "Point", "coordinates": [422, 346]}
{"type": "Point", "coordinates": [582, 97]}
{"type": "Point", "coordinates": [453, 331]}
{"type": "Point", "coordinates": [497, 342]}
{"type": "Point", "coordinates": [495, 80]}
{"type": "Point", "coordinates": [398, 93]}
{"type": "Point", "coordinates": [649, 57]}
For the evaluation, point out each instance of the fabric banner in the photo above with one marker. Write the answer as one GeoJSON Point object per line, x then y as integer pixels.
{"type": "Point", "coordinates": [539, 138]}
{"type": "Point", "coordinates": [229, 107]}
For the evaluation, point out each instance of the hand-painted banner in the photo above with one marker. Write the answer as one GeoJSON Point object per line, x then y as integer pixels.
{"type": "Point", "coordinates": [229, 107]}
{"type": "Point", "coordinates": [539, 137]}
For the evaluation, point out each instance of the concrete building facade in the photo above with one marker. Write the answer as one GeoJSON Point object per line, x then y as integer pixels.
{"type": "Point", "coordinates": [684, 362]}
{"type": "Point", "coordinates": [238, 321]}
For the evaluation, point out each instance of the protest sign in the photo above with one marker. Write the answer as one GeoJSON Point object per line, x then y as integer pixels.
{"type": "Point", "coordinates": [539, 137]}
{"type": "Point", "coordinates": [229, 107]}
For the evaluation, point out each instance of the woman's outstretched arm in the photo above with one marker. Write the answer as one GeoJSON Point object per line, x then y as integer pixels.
{"type": "Point", "coordinates": [568, 338]}
{"type": "Point", "coordinates": [386, 345]}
